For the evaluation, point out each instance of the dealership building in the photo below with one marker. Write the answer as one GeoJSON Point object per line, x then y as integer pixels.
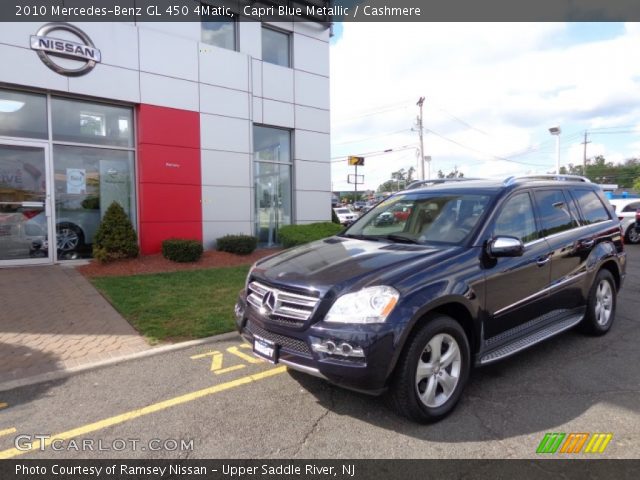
{"type": "Point", "coordinates": [197, 129]}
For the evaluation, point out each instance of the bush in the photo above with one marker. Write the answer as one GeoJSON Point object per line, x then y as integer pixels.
{"type": "Point", "coordinates": [238, 244]}
{"type": "Point", "coordinates": [115, 237]}
{"type": "Point", "coordinates": [292, 235]}
{"type": "Point", "coordinates": [182, 250]}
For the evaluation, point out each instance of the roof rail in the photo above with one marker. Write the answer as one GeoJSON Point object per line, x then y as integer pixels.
{"type": "Point", "coordinates": [436, 181]}
{"type": "Point", "coordinates": [546, 176]}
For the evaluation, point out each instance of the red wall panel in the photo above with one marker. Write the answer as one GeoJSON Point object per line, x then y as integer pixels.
{"type": "Point", "coordinates": [169, 176]}
{"type": "Point", "coordinates": [164, 202]}
{"type": "Point", "coordinates": [168, 126]}
{"type": "Point", "coordinates": [168, 164]}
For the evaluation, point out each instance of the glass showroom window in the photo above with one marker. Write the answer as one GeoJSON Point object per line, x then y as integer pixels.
{"type": "Point", "coordinates": [276, 47]}
{"type": "Point", "coordinates": [272, 177]}
{"type": "Point", "coordinates": [23, 115]}
{"type": "Point", "coordinates": [93, 164]}
{"type": "Point", "coordinates": [221, 32]}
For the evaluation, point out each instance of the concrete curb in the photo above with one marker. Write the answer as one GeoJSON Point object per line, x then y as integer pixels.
{"type": "Point", "coordinates": [67, 372]}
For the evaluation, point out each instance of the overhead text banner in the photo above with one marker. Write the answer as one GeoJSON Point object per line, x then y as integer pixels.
{"type": "Point", "coordinates": [322, 11]}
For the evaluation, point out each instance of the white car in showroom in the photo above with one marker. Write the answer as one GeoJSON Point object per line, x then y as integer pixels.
{"type": "Point", "coordinates": [626, 209]}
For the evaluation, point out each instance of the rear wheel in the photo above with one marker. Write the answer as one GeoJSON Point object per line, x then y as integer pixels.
{"type": "Point", "coordinates": [432, 371]}
{"type": "Point", "coordinates": [601, 305]}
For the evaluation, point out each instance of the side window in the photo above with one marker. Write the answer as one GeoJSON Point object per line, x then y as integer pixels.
{"type": "Point", "coordinates": [555, 212]}
{"type": "Point", "coordinates": [632, 207]}
{"type": "Point", "coordinates": [516, 219]}
{"type": "Point", "coordinates": [592, 208]}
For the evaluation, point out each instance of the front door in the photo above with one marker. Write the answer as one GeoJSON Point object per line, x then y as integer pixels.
{"type": "Point", "coordinates": [25, 221]}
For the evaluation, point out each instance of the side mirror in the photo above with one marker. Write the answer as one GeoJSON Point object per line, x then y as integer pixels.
{"type": "Point", "coordinates": [505, 247]}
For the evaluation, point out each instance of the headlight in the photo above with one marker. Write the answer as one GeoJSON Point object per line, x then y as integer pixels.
{"type": "Point", "coordinates": [369, 305]}
{"type": "Point", "coordinates": [246, 280]}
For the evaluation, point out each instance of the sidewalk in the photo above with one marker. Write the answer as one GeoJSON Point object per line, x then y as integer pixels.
{"type": "Point", "coordinates": [51, 318]}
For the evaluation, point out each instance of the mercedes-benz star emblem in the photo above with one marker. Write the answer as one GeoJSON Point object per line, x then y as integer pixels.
{"type": "Point", "coordinates": [269, 302]}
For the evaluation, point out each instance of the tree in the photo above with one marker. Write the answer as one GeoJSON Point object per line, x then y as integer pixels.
{"type": "Point", "coordinates": [455, 173]}
{"type": "Point", "coordinates": [636, 185]}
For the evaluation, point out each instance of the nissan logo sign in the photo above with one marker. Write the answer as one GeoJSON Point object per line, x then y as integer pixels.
{"type": "Point", "coordinates": [49, 47]}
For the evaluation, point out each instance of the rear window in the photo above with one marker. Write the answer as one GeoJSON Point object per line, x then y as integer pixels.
{"type": "Point", "coordinates": [632, 207]}
{"type": "Point", "coordinates": [343, 210]}
{"type": "Point", "coordinates": [591, 206]}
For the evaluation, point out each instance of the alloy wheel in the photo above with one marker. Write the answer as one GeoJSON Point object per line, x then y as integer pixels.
{"type": "Point", "coordinates": [438, 370]}
{"type": "Point", "coordinates": [604, 302]}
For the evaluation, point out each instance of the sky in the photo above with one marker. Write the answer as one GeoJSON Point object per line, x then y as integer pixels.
{"type": "Point", "coordinates": [491, 92]}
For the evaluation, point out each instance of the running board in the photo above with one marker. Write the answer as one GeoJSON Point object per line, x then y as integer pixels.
{"type": "Point", "coordinates": [531, 339]}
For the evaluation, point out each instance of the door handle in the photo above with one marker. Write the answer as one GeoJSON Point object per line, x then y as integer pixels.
{"type": "Point", "coordinates": [541, 261]}
{"type": "Point", "coordinates": [587, 243]}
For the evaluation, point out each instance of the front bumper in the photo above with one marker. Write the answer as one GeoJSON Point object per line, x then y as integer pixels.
{"type": "Point", "coordinates": [297, 349]}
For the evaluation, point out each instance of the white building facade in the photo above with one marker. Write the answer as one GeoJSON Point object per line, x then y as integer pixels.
{"type": "Point", "coordinates": [197, 129]}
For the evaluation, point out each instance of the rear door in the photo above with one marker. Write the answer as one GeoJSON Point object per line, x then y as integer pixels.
{"type": "Point", "coordinates": [568, 249]}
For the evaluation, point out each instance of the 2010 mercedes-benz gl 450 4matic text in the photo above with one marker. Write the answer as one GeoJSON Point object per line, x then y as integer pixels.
{"type": "Point", "coordinates": [477, 271]}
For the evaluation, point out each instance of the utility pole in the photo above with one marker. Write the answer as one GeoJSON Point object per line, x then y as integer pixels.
{"type": "Point", "coordinates": [584, 158]}
{"type": "Point", "coordinates": [420, 132]}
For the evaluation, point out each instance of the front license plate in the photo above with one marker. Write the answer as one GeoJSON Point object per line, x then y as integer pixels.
{"type": "Point", "coordinates": [265, 349]}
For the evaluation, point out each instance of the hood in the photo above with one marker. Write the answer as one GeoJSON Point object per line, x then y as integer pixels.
{"type": "Point", "coordinates": [344, 262]}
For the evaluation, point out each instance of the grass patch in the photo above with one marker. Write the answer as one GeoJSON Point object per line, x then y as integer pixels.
{"type": "Point", "coordinates": [177, 305]}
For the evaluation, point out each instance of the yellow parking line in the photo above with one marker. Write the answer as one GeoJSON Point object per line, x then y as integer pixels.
{"type": "Point", "coordinates": [156, 407]}
{"type": "Point", "coordinates": [7, 431]}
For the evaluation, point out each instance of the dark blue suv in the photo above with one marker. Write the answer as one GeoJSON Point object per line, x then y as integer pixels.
{"type": "Point", "coordinates": [478, 270]}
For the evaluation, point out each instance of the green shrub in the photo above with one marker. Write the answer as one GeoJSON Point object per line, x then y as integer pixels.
{"type": "Point", "coordinates": [292, 235]}
{"type": "Point", "coordinates": [238, 244]}
{"type": "Point", "coordinates": [182, 250]}
{"type": "Point", "coordinates": [115, 237]}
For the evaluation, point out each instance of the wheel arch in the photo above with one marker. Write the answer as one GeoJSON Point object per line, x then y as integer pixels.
{"type": "Point", "coordinates": [452, 307]}
{"type": "Point", "coordinates": [612, 267]}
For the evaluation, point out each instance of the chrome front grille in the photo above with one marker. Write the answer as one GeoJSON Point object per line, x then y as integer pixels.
{"type": "Point", "coordinates": [280, 305]}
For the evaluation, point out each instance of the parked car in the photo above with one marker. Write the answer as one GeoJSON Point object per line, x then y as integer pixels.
{"type": "Point", "coordinates": [385, 218]}
{"type": "Point", "coordinates": [359, 205]}
{"type": "Point", "coordinates": [401, 212]}
{"type": "Point", "coordinates": [626, 209]}
{"type": "Point", "coordinates": [638, 221]}
{"type": "Point", "coordinates": [480, 270]}
{"type": "Point", "coordinates": [345, 215]}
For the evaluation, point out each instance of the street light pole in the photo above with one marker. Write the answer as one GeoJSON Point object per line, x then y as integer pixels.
{"type": "Point", "coordinates": [420, 103]}
{"type": "Point", "coordinates": [556, 131]}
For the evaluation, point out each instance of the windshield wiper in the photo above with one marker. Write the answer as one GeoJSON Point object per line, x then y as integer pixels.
{"type": "Point", "coordinates": [401, 239]}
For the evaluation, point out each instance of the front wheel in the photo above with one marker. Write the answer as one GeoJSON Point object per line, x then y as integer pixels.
{"type": "Point", "coordinates": [601, 304]}
{"type": "Point", "coordinates": [432, 371]}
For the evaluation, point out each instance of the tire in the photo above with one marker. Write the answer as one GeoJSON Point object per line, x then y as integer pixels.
{"type": "Point", "coordinates": [69, 237]}
{"type": "Point", "coordinates": [632, 236]}
{"type": "Point", "coordinates": [431, 395]}
{"type": "Point", "coordinates": [601, 304]}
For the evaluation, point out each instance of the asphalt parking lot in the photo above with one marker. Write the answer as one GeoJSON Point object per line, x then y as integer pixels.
{"type": "Point", "coordinates": [217, 401]}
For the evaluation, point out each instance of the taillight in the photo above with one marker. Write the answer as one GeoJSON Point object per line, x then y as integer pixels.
{"type": "Point", "coordinates": [638, 215]}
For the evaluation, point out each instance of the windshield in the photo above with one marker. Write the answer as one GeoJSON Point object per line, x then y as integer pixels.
{"type": "Point", "coordinates": [422, 218]}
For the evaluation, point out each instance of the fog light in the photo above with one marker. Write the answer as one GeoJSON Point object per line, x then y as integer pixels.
{"type": "Point", "coordinates": [342, 349]}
